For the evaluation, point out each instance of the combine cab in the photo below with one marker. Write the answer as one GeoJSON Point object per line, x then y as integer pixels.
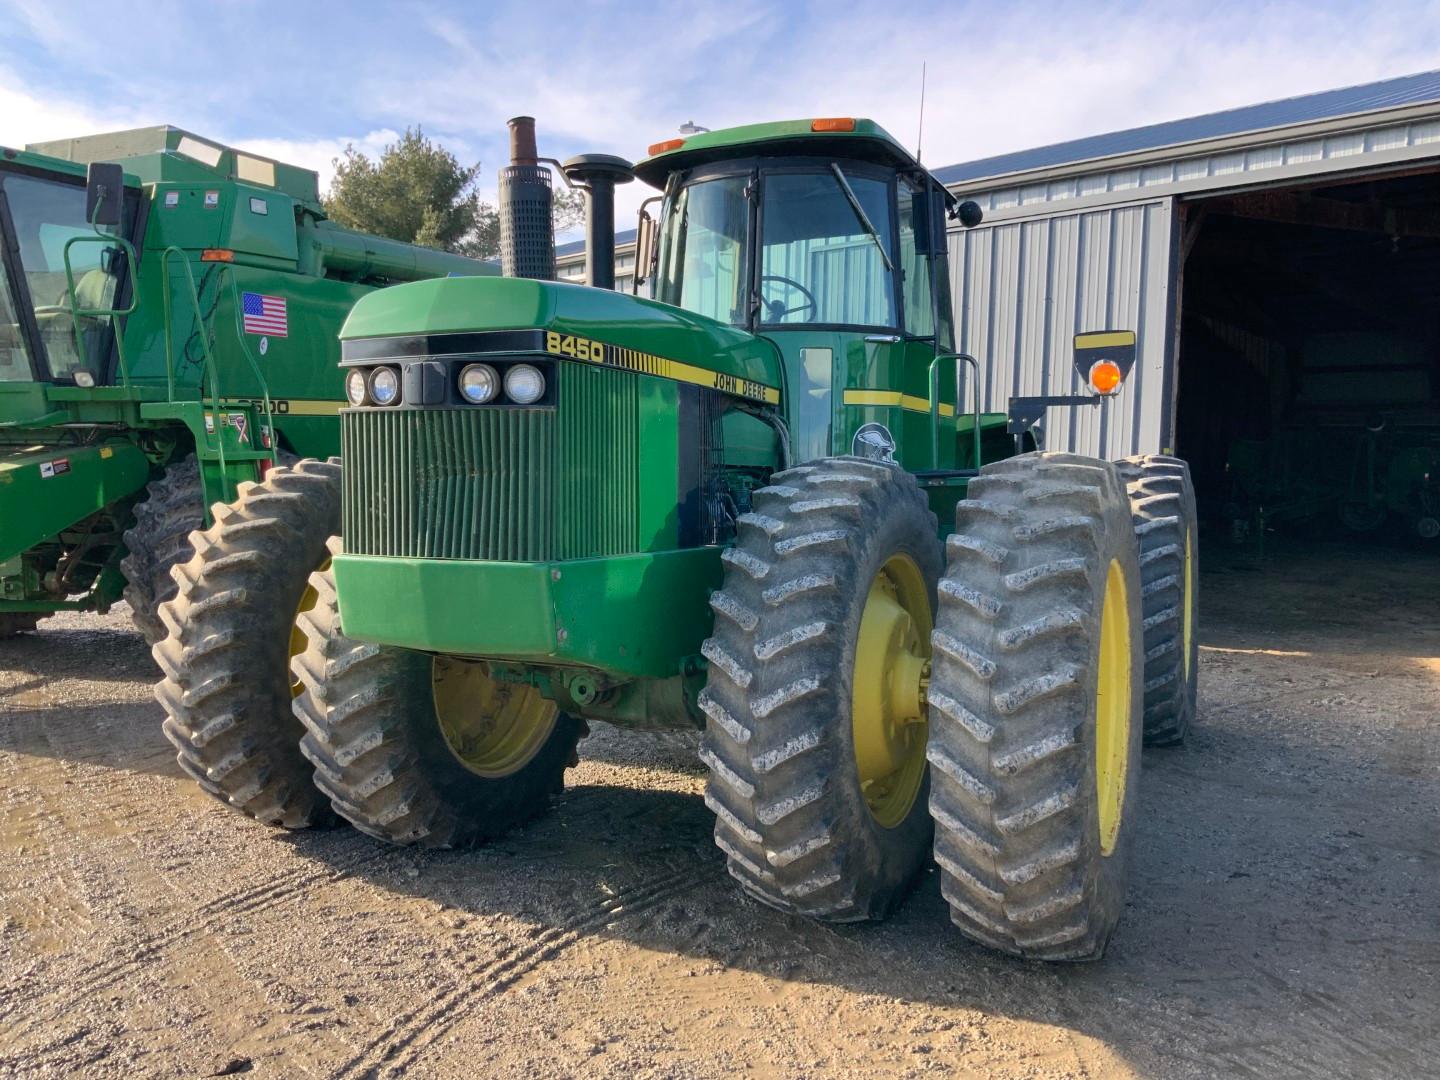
{"type": "Point", "coordinates": [755, 506]}
{"type": "Point", "coordinates": [168, 317]}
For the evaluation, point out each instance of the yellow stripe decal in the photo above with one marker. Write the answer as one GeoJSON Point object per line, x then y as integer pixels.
{"type": "Point", "coordinates": [569, 347]}
{"type": "Point", "coordinates": [1107, 339]}
{"type": "Point", "coordinates": [288, 406]}
{"type": "Point", "coordinates": [894, 399]}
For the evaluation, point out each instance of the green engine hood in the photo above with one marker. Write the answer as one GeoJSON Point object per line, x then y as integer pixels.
{"type": "Point", "coordinates": [472, 304]}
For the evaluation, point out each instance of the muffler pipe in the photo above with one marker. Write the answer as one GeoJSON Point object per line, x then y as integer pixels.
{"type": "Point", "coordinates": [527, 227]}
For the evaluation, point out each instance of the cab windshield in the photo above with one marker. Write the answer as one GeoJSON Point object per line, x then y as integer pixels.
{"type": "Point", "coordinates": [825, 255]}
{"type": "Point", "coordinates": [819, 261]}
{"type": "Point", "coordinates": [43, 215]}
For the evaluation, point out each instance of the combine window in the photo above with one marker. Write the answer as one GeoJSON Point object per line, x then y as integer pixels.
{"type": "Point", "coordinates": [44, 214]}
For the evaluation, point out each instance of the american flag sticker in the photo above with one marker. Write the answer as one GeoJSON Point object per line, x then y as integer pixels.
{"type": "Point", "coordinates": [264, 314]}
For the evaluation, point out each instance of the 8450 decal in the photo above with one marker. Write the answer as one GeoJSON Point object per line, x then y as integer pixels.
{"type": "Point", "coordinates": [580, 348]}
{"type": "Point", "coordinates": [620, 356]}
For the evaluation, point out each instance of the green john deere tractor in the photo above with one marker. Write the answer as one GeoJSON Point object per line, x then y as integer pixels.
{"type": "Point", "coordinates": [721, 510]}
{"type": "Point", "coordinates": [168, 324]}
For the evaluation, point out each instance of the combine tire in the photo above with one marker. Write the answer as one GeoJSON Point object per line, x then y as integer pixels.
{"type": "Point", "coordinates": [815, 719]}
{"type": "Point", "coordinates": [159, 539]}
{"type": "Point", "coordinates": [1035, 705]}
{"type": "Point", "coordinates": [230, 634]}
{"type": "Point", "coordinates": [415, 749]}
{"type": "Point", "coordinates": [13, 623]}
{"type": "Point", "coordinates": [1162, 506]}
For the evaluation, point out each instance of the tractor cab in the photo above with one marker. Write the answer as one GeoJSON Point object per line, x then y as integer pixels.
{"type": "Point", "coordinates": [826, 238]}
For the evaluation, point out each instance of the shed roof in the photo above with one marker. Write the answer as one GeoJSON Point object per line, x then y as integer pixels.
{"type": "Point", "coordinates": [577, 247]}
{"type": "Point", "coordinates": [1326, 105]}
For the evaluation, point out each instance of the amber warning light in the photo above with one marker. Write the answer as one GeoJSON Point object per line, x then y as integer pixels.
{"type": "Point", "coordinates": [1103, 358]}
{"type": "Point", "coordinates": [1105, 377]}
{"type": "Point", "coordinates": [833, 123]}
{"type": "Point", "coordinates": [666, 146]}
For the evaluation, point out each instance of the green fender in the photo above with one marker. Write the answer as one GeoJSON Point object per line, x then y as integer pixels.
{"type": "Point", "coordinates": [46, 489]}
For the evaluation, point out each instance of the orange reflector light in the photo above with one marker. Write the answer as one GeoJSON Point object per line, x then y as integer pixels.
{"type": "Point", "coordinates": [1105, 377]}
{"type": "Point", "coordinates": [217, 255]}
{"type": "Point", "coordinates": [833, 123]}
{"type": "Point", "coordinates": [666, 146]}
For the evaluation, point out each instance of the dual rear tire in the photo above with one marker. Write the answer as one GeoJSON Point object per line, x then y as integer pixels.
{"type": "Point", "coordinates": [1031, 678]}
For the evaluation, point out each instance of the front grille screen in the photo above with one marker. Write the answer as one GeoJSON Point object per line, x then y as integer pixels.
{"type": "Point", "coordinates": [508, 484]}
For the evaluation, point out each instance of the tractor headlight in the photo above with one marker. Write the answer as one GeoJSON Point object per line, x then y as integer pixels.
{"type": "Point", "coordinates": [524, 384]}
{"type": "Point", "coordinates": [384, 386]}
{"type": "Point", "coordinates": [356, 391]}
{"type": "Point", "coordinates": [479, 383]}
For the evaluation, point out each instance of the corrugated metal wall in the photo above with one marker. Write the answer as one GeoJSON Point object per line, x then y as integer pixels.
{"type": "Point", "coordinates": [1024, 289]}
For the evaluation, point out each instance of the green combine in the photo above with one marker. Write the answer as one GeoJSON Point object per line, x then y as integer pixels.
{"type": "Point", "coordinates": [169, 310]}
{"type": "Point", "coordinates": [755, 506]}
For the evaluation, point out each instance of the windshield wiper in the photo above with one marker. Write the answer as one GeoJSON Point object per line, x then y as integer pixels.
{"type": "Point", "coordinates": [861, 216]}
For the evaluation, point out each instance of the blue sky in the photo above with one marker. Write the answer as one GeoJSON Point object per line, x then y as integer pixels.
{"type": "Point", "coordinates": [299, 80]}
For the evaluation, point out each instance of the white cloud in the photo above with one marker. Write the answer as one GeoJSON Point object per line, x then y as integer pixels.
{"type": "Point", "coordinates": [616, 77]}
{"type": "Point", "coordinates": [27, 118]}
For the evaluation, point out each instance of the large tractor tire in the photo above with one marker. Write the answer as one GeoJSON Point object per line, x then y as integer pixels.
{"type": "Point", "coordinates": [1162, 506]}
{"type": "Point", "coordinates": [1035, 706]}
{"type": "Point", "coordinates": [415, 749]}
{"type": "Point", "coordinates": [159, 539]}
{"type": "Point", "coordinates": [13, 623]}
{"type": "Point", "coordinates": [814, 703]}
{"type": "Point", "coordinates": [230, 635]}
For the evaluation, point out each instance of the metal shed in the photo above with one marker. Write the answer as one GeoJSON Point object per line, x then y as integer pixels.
{"type": "Point", "coordinates": [1092, 234]}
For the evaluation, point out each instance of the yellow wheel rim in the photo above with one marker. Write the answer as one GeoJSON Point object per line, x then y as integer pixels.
{"type": "Point", "coordinates": [1112, 707]}
{"type": "Point", "coordinates": [1189, 607]}
{"type": "Point", "coordinates": [493, 728]}
{"type": "Point", "coordinates": [892, 668]}
{"type": "Point", "coordinates": [298, 641]}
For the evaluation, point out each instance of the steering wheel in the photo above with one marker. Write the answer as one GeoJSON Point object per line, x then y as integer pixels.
{"type": "Point", "coordinates": [777, 310]}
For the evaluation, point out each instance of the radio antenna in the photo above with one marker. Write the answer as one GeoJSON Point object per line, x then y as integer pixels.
{"type": "Point", "coordinates": [920, 133]}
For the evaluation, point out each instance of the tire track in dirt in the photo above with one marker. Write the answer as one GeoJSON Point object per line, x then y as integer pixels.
{"type": "Point", "coordinates": [205, 919]}
{"type": "Point", "coordinates": [111, 797]}
{"type": "Point", "coordinates": [411, 1033]}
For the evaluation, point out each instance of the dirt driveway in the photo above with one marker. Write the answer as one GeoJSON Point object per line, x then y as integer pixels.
{"type": "Point", "coordinates": [1284, 915]}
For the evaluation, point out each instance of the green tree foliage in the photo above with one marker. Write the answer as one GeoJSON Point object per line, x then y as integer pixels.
{"type": "Point", "coordinates": [418, 192]}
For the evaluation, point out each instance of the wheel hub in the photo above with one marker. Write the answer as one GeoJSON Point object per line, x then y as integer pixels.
{"type": "Point", "coordinates": [493, 728]}
{"type": "Point", "coordinates": [1112, 708]}
{"type": "Point", "coordinates": [892, 670]}
{"type": "Point", "coordinates": [298, 641]}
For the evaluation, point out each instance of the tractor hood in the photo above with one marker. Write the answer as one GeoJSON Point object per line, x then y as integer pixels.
{"type": "Point", "coordinates": [638, 333]}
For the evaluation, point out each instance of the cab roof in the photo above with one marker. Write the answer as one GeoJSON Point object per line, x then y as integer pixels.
{"type": "Point", "coordinates": [830, 137]}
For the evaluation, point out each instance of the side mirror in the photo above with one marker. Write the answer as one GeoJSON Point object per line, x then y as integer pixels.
{"type": "Point", "coordinates": [969, 213]}
{"type": "Point", "coordinates": [104, 193]}
{"type": "Point", "coordinates": [645, 234]}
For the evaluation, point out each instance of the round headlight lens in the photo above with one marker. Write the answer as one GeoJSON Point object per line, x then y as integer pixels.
{"type": "Point", "coordinates": [355, 389]}
{"type": "Point", "coordinates": [524, 384]}
{"type": "Point", "coordinates": [384, 386]}
{"type": "Point", "coordinates": [479, 383]}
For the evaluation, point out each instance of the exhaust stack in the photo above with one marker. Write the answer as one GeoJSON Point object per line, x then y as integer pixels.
{"type": "Point", "coordinates": [598, 174]}
{"type": "Point", "coordinates": [527, 229]}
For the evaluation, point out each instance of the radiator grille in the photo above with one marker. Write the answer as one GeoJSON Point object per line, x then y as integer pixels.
{"type": "Point", "coordinates": [513, 485]}
{"type": "Point", "coordinates": [597, 463]}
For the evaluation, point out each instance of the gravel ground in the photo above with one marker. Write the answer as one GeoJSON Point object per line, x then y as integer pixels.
{"type": "Point", "coordinates": [1282, 917]}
